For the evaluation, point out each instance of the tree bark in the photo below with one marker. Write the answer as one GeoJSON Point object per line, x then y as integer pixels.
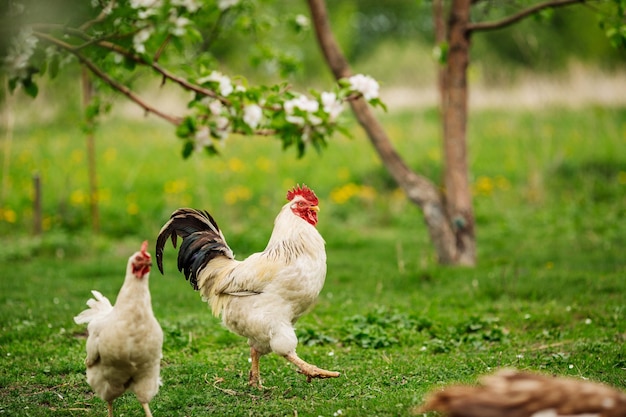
{"type": "Point", "coordinates": [457, 188]}
{"type": "Point", "coordinates": [419, 189]}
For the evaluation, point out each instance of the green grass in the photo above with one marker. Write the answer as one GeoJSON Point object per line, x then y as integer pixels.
{"type": "Point", "coordinates": [547, 294]}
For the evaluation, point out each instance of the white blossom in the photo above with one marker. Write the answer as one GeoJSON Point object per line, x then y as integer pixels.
{"type": "Point", "coordinates": [179, 23]}
{"type": "Point", "coordinates": [225, 85]}
{"type": "Point", "coordinates": [331, 105]}
{"type": "Point", "coordinates": [302, 21]}
{"type": "Point", "coordinates": [226, 4]}
{"type": "Point", "coordinates": [221, 124]}
{"type": "Point", "coordinates": [146, 4]}
{"type": "Point", "coordinates": [216, 107]}
{"type": "Point", "coordinates": [304, 104]}
{"type": "Point", "coordinates": [19, 53]}
{"type": "Point", "coordinates": [252, 115]}
{"type": "Point", "coordinates": [203, 137]}
{"type": "Point", "coordinates": [365, 85]}
{"type": "Point", "coordinates": [140, 39]}
{"type": "Point", "coordinates": [146, 8]}
{"type": "Point", "coordinates": [191, 5]}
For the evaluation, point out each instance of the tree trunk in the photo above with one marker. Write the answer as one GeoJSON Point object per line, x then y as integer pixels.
{"type": "Point", "coordinates": [419, 189]}
{"type": "Point", "coordinates": [457, 188]}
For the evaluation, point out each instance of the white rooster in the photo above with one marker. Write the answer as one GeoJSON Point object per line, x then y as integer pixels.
{"type": "Point", "coordinates": [124, 342]}
{"type": "Point", "coordinates": [261, 297]}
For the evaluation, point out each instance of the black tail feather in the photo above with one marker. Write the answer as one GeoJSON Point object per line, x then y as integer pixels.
{"type": "Point", "coordinates": [202, 242]}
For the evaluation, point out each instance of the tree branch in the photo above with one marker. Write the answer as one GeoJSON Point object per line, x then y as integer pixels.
{"type": "Point", "coordinates": [103, 43]}
{"type": "Point", "coordinates": [419, 189]}
{"type": "Point", "coordinates": [101, 17]}
{"type": "Point", "coordinates": [111, 82]}
{"type": "Point", "coordinates": [507, 21]}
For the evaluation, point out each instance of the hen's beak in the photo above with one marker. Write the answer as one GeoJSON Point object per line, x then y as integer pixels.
{"type": "Point", "coordinates": [315, 208]}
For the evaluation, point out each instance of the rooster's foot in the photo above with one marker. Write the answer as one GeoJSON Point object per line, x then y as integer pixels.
{"type": "Point", "coordinates": [255, 375]}
{"type": "Point", "coordinates": [255, 380]}
{"type": "Point", "coordinates": [310, 371]}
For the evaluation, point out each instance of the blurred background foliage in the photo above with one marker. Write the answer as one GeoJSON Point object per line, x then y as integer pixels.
{"type": "Point", "coordinates": [391, 40]}
{"type": "Point", "coordinates": [262, 41]}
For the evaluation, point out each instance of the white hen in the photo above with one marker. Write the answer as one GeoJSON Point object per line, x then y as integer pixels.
{"type": "Point", "coordinates": [125, 340]}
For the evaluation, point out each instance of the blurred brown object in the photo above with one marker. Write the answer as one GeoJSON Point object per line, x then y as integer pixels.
{"type": "Point", "coordinates": [513, 393]}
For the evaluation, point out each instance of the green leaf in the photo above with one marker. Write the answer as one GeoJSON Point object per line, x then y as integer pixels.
{"type": "Point", "coordinates": [53, 69]}
{"type": "Point", "coordinates": [30, 87]}
{"type": "Point", "coordinates": [186, 128]}
{"type": "Point", "coordinates": [13, 84]}
{"type": "Point", "coordinates": [376, 102]}
{"type": "Point", "coordinates": [301, 148]}
{"type": "Point", "coordinates": [129, 64]}
{"type": "Point", "coordinates": [344, 131]}
{"type": "Point", "coordinates": [187, 149]}
{"type": "Point", "coordinates": [211, 150]}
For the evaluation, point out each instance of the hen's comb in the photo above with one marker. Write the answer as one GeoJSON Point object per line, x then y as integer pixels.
{"type": "Point", "coordinates": [303, 191]}
{"type": "Point", "coordinates": [144, 248]}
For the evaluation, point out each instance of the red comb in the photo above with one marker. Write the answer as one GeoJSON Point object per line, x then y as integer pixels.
{"type": "Point", "coordinates": [303, 191]}
{"type": "Point", "coordinates": [144, 248]}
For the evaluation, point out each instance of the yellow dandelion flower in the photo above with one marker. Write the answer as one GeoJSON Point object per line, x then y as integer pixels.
{"type": "Point", "coordinates": [236, 194]}
{"type": "Point", "coordinates": [104, 195]}
{"type": "Point", "coordinates": [367, 193]}
{"type": "Point", "coordinates": [263, 164]}
{"type": "Point", "coordinates": [342, 194]}
{"type": "Point", "coordinates": [483, 186]}
{"type": "Point", "coordinates": [175, 186]}
{"type": "Point", "coordinates": [8, 215]}
{"type": "Point", "coordinates": [77, 156]}
{"type": "Point", "coordinates": [78, 198]}
{"type": "Point", "coordinates": [110, 155]}
{"type": "Point", "coordinates": [236, 165]}
{"type": "Point", "coordinates": [25, 157]}
{"type": "Point", "coordinates": [132, 208]}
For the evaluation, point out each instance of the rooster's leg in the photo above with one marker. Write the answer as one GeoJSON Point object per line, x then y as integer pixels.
{"type": "Point", "coordinates": [255, 376]}
{"type": "Point", "coordinates": [146, 409]}
{"type": "Point", "coordinates": [311, 371]}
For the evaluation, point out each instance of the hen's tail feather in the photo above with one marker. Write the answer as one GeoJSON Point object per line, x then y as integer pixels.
{"type": "Point", "coordinates": [98, 306]}
{"type": "Point", "coordinates": [202, 242]}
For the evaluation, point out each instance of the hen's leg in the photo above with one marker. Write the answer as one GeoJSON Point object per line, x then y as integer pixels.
{"type": "Point", "coordinates": [255, 375]}
{"type": "Point", "coordinates": [146, 409]}
{"type": "Point", "coordinates": [110, 408]}
{"type": "Point", "coordinates": [311, 371]}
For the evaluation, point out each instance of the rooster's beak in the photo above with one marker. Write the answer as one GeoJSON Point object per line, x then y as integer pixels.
{"type": "Point", "coordinates": [315, 208]}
